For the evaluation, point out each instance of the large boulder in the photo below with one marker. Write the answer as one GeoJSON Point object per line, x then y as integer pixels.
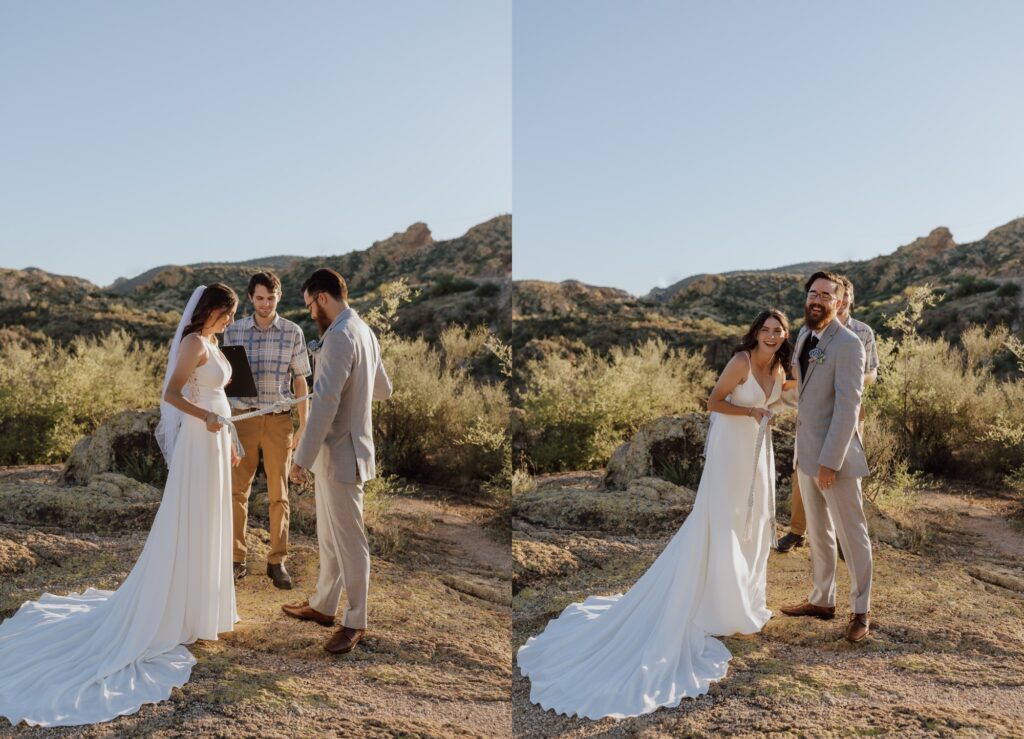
{"type": "Point", "coordinates": [646, 506]}
{"type": "Point", "coordinates": [126, 444]}
{"type": "Point", "coordinates": [672, 448]}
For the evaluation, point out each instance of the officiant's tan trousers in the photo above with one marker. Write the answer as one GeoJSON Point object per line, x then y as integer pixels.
{"type": "Point", "coordinates": [273, 434]}
{"type": "Point", "coordinates": [344, 549]}
{"type": "Point", "coordinates": [838, 511]}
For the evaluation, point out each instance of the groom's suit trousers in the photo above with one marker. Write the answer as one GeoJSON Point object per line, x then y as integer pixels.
{"type": "Point", "coordinates": [838, 511]}
{"type": "Point", "coordinates": [344, 550]}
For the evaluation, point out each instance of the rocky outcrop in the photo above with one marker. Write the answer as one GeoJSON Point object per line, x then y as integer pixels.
{"type": "Point", "coordinates": [23, 549]}
{"type": "Point", "coordinates": [669, 447]}
{"type": "Point", "coordinates": [540, 554]}
{"type": "Point", "coordinates": [111, 503]}
{"type": "Point", "coordinates": [646, 506]}
{"type": "Point", "coordinates": [672, 448]}
{"type": "Point", "coordinates": [935, 243]}
{"type": "Point", "coordinates": [124, 443]}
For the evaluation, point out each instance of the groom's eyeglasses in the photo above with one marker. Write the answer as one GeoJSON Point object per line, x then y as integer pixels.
{"type": "Point", "coordinates": [816, 297]}
{"type": "Point", "coordinates": [309, 305]}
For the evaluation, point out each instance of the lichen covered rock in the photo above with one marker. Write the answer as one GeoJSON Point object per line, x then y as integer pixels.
{"type": "Point", "coordinates": [124, 443]}
{"type": "Point", "coordinates": [648, 506]}
{"type": "Point", "coordinates": [115, 504]}
{"type": "Point", "coordinates": [669, 447]}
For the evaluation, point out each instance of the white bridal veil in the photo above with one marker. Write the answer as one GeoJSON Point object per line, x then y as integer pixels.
{"type": "Point", "coordinates": [170, 417]}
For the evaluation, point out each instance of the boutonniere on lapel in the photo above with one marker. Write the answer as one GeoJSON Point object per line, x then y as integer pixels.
{"type": "Point", "coordinates": [816, 355]}
{"type": "Point", "coordinates": [314, 346]}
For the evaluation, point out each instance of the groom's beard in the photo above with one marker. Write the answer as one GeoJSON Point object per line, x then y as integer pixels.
{"type": "Point", "coordinates": [322, 323]}
{"type": "Point", "coordinates": [817, 316]}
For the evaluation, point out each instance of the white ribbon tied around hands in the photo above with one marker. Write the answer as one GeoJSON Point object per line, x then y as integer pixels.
{"type": "Point", "coordinates": [762, 433]}
{"type": "Point", "coordinates": [281, 405]}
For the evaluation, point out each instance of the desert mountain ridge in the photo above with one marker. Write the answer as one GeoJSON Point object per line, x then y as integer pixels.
{"type": "Point", "coordinates": [465, 279]}
{"type": "Point", "coordinates": [978, 282]}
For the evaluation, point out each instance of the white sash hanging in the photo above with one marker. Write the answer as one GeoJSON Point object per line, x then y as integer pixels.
{"type": "Point", "coordinates": [281, 405]}
{"type": "Point", "coordinates": [762, 433]}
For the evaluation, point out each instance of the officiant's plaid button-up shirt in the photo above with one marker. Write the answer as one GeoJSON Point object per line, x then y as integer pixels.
{"type": "Point", "coordinates": [276, 354]}
{"type": "Point", "coordinates": [867, 338]}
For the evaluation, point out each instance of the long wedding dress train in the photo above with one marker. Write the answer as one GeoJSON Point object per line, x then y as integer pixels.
{"type": "Point", "coordinates": [90, 657]}
{"type": "Point", "coordinates": [626, 655]}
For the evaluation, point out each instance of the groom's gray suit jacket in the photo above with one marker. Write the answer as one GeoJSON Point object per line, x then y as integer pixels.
{"type": "Point", "coordinates": [349, 375]}
{"type": "Point", "coordinates": [828, 404]}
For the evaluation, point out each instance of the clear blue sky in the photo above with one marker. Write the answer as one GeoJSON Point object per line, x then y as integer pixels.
{"type": "Point", "coordinates": [653, 139]}
{"type": "Point", "coordinates": [135, 134]}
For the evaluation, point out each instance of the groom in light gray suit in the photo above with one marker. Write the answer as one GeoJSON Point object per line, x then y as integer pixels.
{"type": "Point", "coordinates": [827, 363]}
{"type": "Point", "coordinates": [338, 446]}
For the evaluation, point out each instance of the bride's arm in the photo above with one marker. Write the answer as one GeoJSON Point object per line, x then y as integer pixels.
{"type": "Point", "coordinates": [730, 378]}
{"type": "Point", "coordinates": [191, 354]}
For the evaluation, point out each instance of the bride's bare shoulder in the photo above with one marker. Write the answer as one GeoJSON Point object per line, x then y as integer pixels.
{"type": "Point", "coordinates": [193, 345]}
{"type": "Point", "coordinates": [738, 366]}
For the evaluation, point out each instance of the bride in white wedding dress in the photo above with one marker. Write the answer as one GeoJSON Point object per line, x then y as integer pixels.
{"type": "Point", "coordinates": [626, 655]}
{"type": "Point", "coordinates": [90, 657]}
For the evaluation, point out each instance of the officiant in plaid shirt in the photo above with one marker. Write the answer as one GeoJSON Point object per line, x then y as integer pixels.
{"type": "Point", "coordinates": [276, 349]}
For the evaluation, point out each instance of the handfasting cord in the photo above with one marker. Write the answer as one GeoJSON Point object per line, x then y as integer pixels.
{"type": "Point", "coordinates": [762, 431]}
{"type": "Point", "coordinates": [281, 405]}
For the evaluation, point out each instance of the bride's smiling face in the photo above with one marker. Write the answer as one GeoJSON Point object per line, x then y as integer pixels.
{"type": "Point", "coordinates": [771, 335]}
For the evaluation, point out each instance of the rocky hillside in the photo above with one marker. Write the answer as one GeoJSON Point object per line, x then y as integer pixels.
{"type": "Point", "coordinates": [569, 316]}
{"type": "Point", "coordinates": [466, 279]}
{"type": "Point", "coordinates": [978, 282]}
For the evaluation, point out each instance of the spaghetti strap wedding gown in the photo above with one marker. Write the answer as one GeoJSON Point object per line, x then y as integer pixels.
{"type": "Point", "coordinates": [626, 655]}
{"type": "Point", "coordinates": [90, 657]}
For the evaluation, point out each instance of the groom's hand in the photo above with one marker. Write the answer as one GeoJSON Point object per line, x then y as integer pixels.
{"type": "Point", "coordinates": [297, 474]}
{"type": "Point", "coordinates": [826, 477]}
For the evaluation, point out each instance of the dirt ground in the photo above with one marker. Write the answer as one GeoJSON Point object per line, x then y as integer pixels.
{"type": "Point", "coordinates": [436, 661]}
{"type": "Point", "coordinates": [945, 656]}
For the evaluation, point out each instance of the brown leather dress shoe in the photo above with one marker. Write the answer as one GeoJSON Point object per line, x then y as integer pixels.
{"type": "Point", "coordinates": [344, 640]}
{"type": "Point", "coordinates": [860, 625]}
{"type": "Point", "coordinates": [304, 612]}
{"type": "Point", "coordinates": [809, 609]}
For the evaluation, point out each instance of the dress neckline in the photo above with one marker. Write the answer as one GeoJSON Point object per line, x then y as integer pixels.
{"type": "Point", "coordinates": [750, 376]}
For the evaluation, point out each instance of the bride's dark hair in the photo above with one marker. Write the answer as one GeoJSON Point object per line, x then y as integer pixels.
{"type": "Point", "coordinates": [784, 354]}
{"type": "Point", "coordinates": [217, 296]}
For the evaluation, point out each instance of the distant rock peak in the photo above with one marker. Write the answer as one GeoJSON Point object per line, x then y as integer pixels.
{"type": "Point", "coordinates": [939, 240]}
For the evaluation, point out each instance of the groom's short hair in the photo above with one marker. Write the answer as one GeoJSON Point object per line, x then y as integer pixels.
{"type": "Point", "coordinates": [266, 278]}
{"type": "Point", "coordinates": [830, 276]}
{"type": "Point", "coordinates": [326, 281]}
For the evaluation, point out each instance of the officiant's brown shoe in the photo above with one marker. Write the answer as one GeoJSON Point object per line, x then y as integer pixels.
{"type": "Point", "coordinates": [304, 612]}
{"type": "Point", "coordinates": [344, 640]}
{"type": "Point", "coordinates": [860, 625]}
{"type": "Point", "coordinates": [809, 609]}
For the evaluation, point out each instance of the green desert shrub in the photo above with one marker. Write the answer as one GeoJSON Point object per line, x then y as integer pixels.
{"type": "Point", "coordinates": [1008, 290]}
{"type": "Point", "coordinates": [51, 395]}
{"type": "Point", "coordinates": [487, 290]}
{"type": "Point", "coordinates": [440, 425]}
{"type": "Point", "coordinates": [577, 410]}
{"type": "Point", "coordinates": [447, 284]}
{"type": "Point", "coordinates": [947, 410]}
